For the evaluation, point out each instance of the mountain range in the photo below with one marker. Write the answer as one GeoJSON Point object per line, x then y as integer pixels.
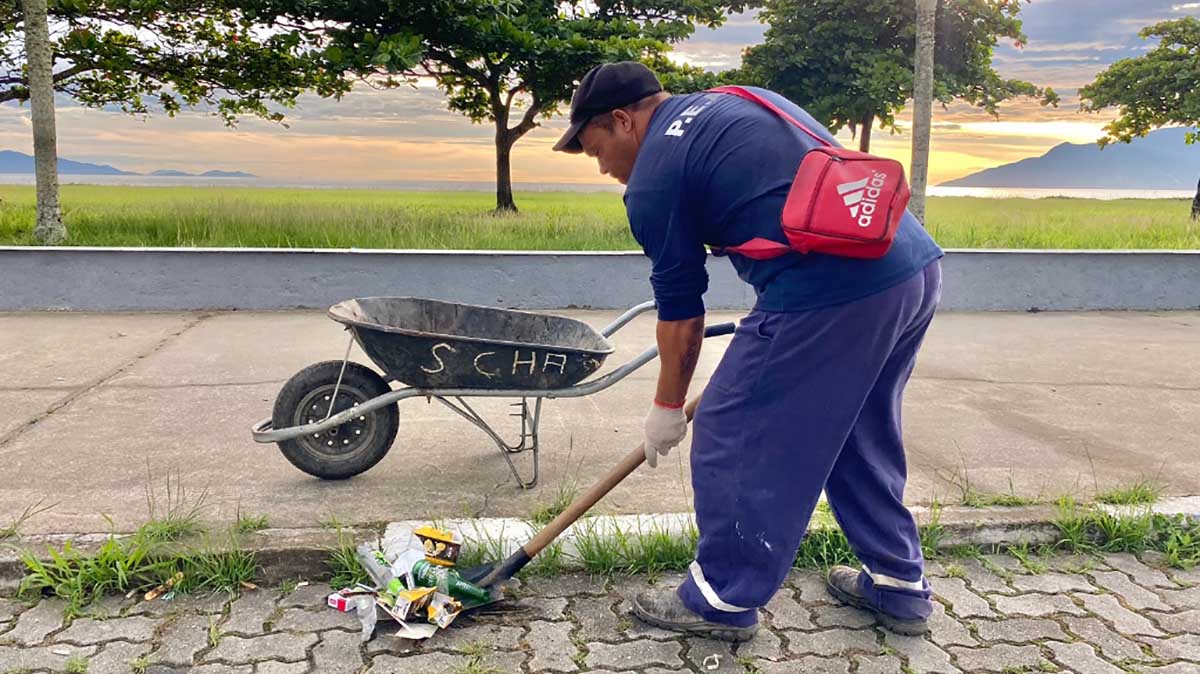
{"type": "Point", "coordinates": [1160, 161]}
{"type": "Point", "coordinates": [17, 162]}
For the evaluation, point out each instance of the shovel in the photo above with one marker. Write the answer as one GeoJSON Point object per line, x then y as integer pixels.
{"type": "Point", "coordinates": [489, 576]}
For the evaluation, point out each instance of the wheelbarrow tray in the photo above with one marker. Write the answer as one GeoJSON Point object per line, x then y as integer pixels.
{"type": "Point", "coordinates": [430, 344]}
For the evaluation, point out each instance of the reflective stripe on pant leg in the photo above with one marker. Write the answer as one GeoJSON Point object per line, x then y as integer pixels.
{"type": "Point", "coordinates": [911, 601]}
{"type": "Point", "coordinates": [881, 580]}
{"type": "Point", "coordinates": [710, 595]}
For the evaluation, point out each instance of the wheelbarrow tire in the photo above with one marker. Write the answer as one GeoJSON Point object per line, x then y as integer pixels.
{"type": "Point", "coordinates": [345, 451]}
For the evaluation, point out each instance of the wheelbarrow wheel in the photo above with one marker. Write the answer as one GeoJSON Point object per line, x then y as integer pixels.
{"type": "Point", "coordinates": [346, 450]}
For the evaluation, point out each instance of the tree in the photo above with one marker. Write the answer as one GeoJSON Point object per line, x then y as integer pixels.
{"type": "Point", "coordinates": [138, 54]}
{"type": "Point", "coordinates": [922, 104]}
{"type": "Point", "coordinates": [49, 228]}
{"type": "Point", "coordinates": [851, 63]}
{"type": "Point", "coordinates": [133, 54]}
{"type": "Point", "coordinates": [507, 62]}
{"type": "Point", "coordinates": [1158, 88]}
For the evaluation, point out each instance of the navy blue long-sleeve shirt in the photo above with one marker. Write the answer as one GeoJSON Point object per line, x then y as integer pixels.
{"type": "Point", "coordinates": [715, 170]}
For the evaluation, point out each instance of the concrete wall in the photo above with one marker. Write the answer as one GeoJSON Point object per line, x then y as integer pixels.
{"type": "Point", "coordinates": [105, 279]}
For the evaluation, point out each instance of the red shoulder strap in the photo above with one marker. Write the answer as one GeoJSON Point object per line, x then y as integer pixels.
{"type": "Point", "coordinates": [751, 96]}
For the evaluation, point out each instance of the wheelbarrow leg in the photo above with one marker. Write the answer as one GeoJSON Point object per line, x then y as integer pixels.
{"type": "Point", "coordinates": [529, 434]}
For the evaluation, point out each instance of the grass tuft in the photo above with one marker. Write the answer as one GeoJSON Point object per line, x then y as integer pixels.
{"type": "Point", "coordinates": [176, 518]}
{"type": "Point", "coordinates": [214, 632]}
{"type": "Point", "coordinates": [476, 665]}
{"type": "Point", "coordinates": [1092, 529]}
{"type": "Point", "coordinates": [13, 530]}
{"type": "Point", "coordinates": [137, 562]}
{"type": "Point", "coordinates": [118, 565]}
{"type": "Point", "coordinates": [971, 497]}
{"type": "Point", "coordinates": [208, 569]}
{"type": "Point", "coordinates": [481, 547]}
{"type": "Point", "coordinates": [344, 567]}
{"type": "Point", "coordinates": [747, 664]}
{"type": "Point", "coordinates": [932, 532]}
{"type": "Point", "coordinates": [599, 548]}
{"type": "Point", "coordinates": [546, 512]}
{"type": "Point", "coordinates": [822, 548]}
{"type": "Point", "coordinates": [549, 562]}
{"type": "Point", "coordinates": [248, 524]}
{"type": "Point", "coordinates": [1029, 558]}
{"type": "Point", "coordinates": [1141, 493]}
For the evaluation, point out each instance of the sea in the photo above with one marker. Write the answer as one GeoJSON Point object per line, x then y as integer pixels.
{"type": "Point", "coordinates": [464, 186]}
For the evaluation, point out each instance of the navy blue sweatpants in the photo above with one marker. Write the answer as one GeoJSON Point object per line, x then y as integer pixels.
{"type": "Point", "coordinates": [803, 402]}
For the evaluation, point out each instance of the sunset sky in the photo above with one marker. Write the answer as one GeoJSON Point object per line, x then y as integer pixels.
{"type": "Point", "coordinates": [408, 135]}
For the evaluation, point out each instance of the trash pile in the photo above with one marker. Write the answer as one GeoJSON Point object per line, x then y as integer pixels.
{"type": "Point", "coordinates": [416, 584]}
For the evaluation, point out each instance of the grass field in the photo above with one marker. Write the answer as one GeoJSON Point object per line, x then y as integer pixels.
{"type": "Point", "coordinates": [249, 217]}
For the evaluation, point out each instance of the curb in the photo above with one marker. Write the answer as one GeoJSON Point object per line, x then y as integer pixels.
{"type": "Point", "coordinates": [302, 553]}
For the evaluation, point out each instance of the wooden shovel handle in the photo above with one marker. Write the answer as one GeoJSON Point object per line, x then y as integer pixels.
{"type": "Point", "coordinates": [523, 555]}
{"type": "Point", "coordinates": [592, 496]}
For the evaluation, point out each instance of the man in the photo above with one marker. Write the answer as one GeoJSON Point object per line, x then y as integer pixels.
{"type": "Point", "coordinates": [807, 396]}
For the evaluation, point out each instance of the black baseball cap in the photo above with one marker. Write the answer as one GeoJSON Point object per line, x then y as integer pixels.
{"type": "Point", "coordinates": [604, 89]}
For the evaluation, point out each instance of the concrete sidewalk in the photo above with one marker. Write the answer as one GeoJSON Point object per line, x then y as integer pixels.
{"type": "Point", "coordinates": [95, 409]}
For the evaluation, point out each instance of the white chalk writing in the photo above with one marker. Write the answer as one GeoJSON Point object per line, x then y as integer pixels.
{"type": "Point", "coordinates": [480, 370]}
{"type": "Point", "coordinates": [441, 366]}
{"type": "Point", "coordinates": [517, 362]}
{"type": "Point", "coordinates": [560, 361]}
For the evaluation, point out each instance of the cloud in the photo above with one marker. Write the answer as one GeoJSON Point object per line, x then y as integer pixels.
{"type": "Point", "coordinates": [1042, 47]}
{"type": "Point", "coordinates": [1186, 7]}
{"type": "Point", "coordinates": [740, 29]}
{"type": "Point", "coordinates": [709, 55]}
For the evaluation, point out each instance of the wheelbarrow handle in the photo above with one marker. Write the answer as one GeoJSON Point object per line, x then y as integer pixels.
{"type": "Point", "coordinates": [622, 320]}
{"type": "Point", "coordinates": [718, 330]}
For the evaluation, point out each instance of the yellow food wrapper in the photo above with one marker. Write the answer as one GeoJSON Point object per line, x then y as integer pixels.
{"type": "Point", "coordinates": [441, 546]}
{"type": "Point", "coordinates": [443, 610]}
{"type": "Point", "coordinates": [410, 604]}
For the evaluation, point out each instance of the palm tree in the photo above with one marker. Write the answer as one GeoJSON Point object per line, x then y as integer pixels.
{"type": "Point", "coordinates": [922, 105]}
{"type": "Point", "coordinates": [49, 229]}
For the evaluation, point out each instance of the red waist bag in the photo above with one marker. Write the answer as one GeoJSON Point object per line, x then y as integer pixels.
{"type": "Point", "coordinates": [842, 202]}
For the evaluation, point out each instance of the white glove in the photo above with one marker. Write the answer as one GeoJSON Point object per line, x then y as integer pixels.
{"type": "Point", "coordinates": [665, 428]}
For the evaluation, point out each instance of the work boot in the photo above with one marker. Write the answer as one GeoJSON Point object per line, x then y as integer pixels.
{"type": "Point", "coordinates": [664, 609]}
{"type": "Point", "coordinates": [842, 583]}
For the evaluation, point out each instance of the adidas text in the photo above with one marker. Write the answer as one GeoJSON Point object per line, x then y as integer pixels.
{"type": "Point", "coordinates": [862, 197]}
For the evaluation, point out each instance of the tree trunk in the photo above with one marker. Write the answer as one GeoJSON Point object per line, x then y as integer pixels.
{"type": "Point", "coordinates": [922, 106]}
{"type": "Point", "coordinates": [49, 229]}
{"type": "Point", "coordinates": [864, 138]}
{"type": "Point", "coordinates": [504, 195]}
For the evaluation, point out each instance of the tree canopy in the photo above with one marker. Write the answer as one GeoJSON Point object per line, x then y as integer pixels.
{"type": "Point", "coordinates": [1158, 88]}
{"type": "Point", "coordinates": [504, 62]}
{"type": "Point", "coordinates": [850, 63]}
{"type": "Point", "coordinates": [137, 55]}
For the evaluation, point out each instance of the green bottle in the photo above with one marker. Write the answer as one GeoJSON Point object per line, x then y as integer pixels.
{"type": "Point", "coordinates": [448, 581]}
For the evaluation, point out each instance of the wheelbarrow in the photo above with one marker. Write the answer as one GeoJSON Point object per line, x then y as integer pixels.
{"type": "Point", "coordinates": [338, 418]}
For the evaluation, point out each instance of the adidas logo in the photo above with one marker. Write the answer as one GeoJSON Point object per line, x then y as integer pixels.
{"type": "Point", "coordinates": [862, 197]}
